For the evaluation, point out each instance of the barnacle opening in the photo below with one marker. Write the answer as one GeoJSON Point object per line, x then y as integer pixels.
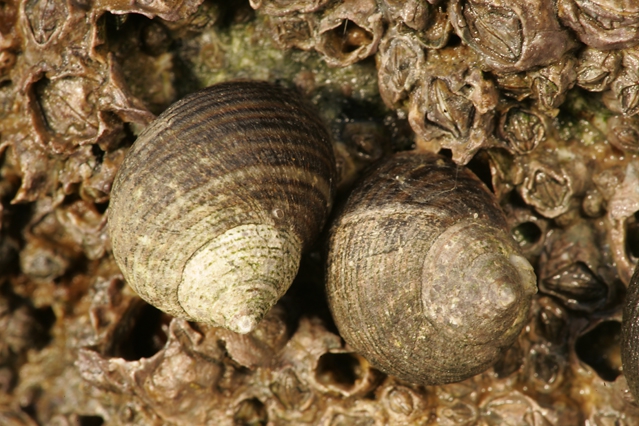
{"type": "Point", "coordinates": [250, 412]}
{"type": "Point", "coordinates": [348, 37]}
{"type": "Point", "coordinates": [400, 400]}
{"type": "Point", "coordinates": [510, 362]}
{"type": "Point", "coordinates": [547, 368]}
{"type": "Point", "coordinates": [340, 370]}
{"type": "Point", "coordinates": [141, 334]}
{"type": "Point", "coordinates": [45, 318]}
{"type": "Point", "coordinates": [552, 320]}
{"type": "Point", "coordinates": [90, 420]}
{"type": "Point", "coordinates": [449, 111]}
{"type": "Point", "coordinates": [526, 234]}
{"type": "Point", "coordinates": [601, 349]}
{"type": "Point", "coordinates": [292, 393]}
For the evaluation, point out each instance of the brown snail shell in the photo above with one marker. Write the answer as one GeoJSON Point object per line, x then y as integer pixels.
{"type": "Point", "coordinates": [630, 336]}
{"type": "Point", "coordinates": [217, 199]}
{"type": "Point", "coordinates": [424, 279]}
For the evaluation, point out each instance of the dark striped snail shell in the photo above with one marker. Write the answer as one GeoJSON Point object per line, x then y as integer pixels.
{"type": "Point", "coordinates": [630, 336]}
{"type": "Point", "coordinates": [423, 277]}
{"type": "Point", "coordinates": [218, 198]}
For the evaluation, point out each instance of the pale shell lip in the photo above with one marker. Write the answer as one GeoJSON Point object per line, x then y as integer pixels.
{"type": "Point", "coordinates": [526, 271]}
{"type": "Point", "coordinates": [237, 277]}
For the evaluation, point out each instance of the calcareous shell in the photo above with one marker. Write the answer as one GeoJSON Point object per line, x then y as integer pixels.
{"type": "Point", "coordinates": [424, 279]}
{"type": "Point", "coordinates": [218, 198]}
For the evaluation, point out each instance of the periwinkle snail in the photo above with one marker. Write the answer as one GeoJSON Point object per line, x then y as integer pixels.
{"type": "Point", "coordinates": [218, 198]}
{"type": "Point", "coordinates": [423, 278]}
{"type": "Point", "coordinates": [630, 336]}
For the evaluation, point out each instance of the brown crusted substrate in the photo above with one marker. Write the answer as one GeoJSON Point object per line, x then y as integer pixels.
{"type": "Point", "coordinates": [78, 81]}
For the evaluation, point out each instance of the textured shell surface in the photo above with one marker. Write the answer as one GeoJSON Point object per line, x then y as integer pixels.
{"type": "Point", "coordinates": [218, 198]}
{"type": "Point", "coordinates": [630, 336]}
{"type": "Point", "coordinates": [424, 279]}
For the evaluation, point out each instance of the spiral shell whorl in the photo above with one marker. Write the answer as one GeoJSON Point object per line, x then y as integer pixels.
{"type": "Point", "coordinates": [239, 159]}
{"type": "Point", "coordinates": [236, 277]}
{"type": "Point", "coordinates": [472, 278]}
{"type": "Point", "coordinates": [423, 278]}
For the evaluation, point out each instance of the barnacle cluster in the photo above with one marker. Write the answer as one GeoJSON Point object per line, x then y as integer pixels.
{"type": "Point", "coordinates": [540, 98]}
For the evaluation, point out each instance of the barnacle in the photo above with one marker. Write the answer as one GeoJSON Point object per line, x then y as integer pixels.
{"type": "Point", "coordinates": [596, 68]}
{"type": "Point", "coordinates": [571, 269]}
{"type": "Point", "coordinates": [603, 24]}
{"type": "Point", "coordinates": [522, 127]}
{"type": "Point", "coordinates": [454, 104]}
{"type": "Point", "coordinates": [623, 95]}
{"type": "Point", "coordinates": [511, 36]}
{"type": "Point", "coordinates": [539, 98]}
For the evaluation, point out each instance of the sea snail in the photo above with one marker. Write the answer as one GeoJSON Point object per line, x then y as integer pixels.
{"type": "Point", "coordinates": [218, 198]}
{"type": "Point", "coordinates": [630, 336]}
{"type": "Point", "coordinates": [423, 277]}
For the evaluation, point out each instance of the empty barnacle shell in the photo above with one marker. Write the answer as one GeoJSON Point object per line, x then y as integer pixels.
{"type": "Point", "coordinates": [295, 30]}
{"type": "Point", "coordinates": [331, 368]}
{"type": "Point", "coordinates": [528, 229]}
{"type": "Point", "coordinates": [217, 199]}
{"type": "Point", "coordinates": [603, 24]}
{"type": "Point", "coordinates": [423, 277]}
{"type": "Point", "coordinates": [349, 32]}
{"type": "Point", "coordinates": [511, 35]}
